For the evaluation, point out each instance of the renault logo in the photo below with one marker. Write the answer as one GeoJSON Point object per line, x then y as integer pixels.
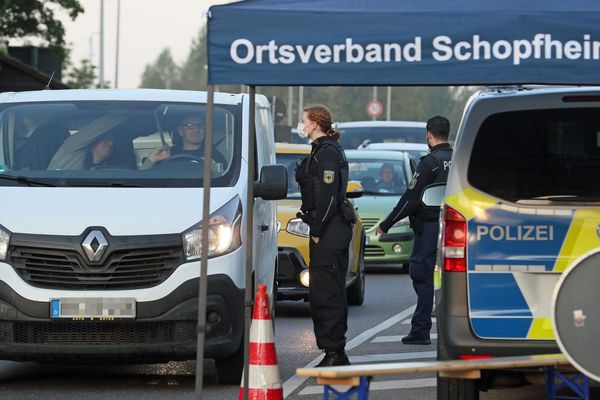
{"type": "Point", "coordinates": [94, 245]}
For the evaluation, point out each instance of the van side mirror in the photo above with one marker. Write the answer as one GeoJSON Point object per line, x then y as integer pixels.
{"type": "Point", "coordinates": [354, 190]}
{"type": "Point", "coordinates": [272, 184]}
{"type": "Point", "coordinates": [433, 195]}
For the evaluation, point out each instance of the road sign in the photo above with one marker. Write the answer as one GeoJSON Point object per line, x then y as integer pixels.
{"type": "Point", "coordinates": [374, 108]}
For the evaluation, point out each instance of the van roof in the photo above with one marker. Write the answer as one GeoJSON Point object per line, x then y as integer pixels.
{"type": "Point", "coordinates": [536, 90]}
{"type": "Point", "coordinates": [187, 96]}
{"type": "Point", "coordinates": [381, 124]}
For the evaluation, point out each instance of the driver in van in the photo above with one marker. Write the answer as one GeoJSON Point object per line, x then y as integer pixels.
{"type": "Point", "coordinates": [388, 181]}
{"type": "Point", "coordinates": [188, 140]}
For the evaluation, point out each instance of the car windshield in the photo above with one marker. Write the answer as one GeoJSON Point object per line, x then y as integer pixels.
{"type": "Point", "coordinates": [115, 143]}
{"type": "Point", "coordinates": [381, 177]}
{"type": "Point", "coordinates": [352, 138]}
{"type": "Point", "coordinates": [289, 161]}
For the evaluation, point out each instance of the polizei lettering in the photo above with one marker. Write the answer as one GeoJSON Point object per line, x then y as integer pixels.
{"type": "Point", "coordinates": [516, 233]}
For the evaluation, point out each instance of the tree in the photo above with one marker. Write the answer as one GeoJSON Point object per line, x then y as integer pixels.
{"type": "Point", "coordinates": [82, 77]}
{"type": "Point", "coordinates": [21, 19]}
{"type": "Point", "coordinates": [163, 74]}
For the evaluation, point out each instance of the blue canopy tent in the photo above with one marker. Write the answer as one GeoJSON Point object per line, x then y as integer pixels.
{"type": "Point", "coordinates": [382, 42]}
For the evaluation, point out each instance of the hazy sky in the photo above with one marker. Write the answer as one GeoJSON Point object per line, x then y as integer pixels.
{"type": "Point", "coordinates": [147, 27]}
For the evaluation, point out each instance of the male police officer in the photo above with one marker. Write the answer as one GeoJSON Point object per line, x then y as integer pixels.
{"type": "Point", "coordinates": [433, 168]}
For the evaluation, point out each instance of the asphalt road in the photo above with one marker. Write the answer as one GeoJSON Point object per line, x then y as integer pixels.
{"type": "Point", "coordinates": [374, 332]}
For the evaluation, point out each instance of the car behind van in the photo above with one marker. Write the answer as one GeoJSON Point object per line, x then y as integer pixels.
{"type": "Point", "coordinates": [100, 244]}
{"type": "Point", "coordinates": [355, 134]}
{"type": "Point", "coordinates": [522, 205]}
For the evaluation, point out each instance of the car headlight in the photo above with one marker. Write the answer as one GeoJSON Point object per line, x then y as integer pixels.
{"type": "Point", "coordinates": [298, 227]}
{"type": "Point", "coordinates": [223, 232]}
{"type": "Point", "coordinates": [4, 241]}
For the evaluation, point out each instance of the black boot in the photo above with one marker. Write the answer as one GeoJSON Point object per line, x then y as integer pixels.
{"type": "Point", "coordinates": [334, 359]}
{"type": "Point", "coordinates": [412, 339]}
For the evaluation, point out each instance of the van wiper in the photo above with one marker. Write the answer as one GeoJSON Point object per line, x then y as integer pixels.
{"type": "Point", "coordinates": [25, 180]}
{"type": "Point", "coordinates": [101, 184]}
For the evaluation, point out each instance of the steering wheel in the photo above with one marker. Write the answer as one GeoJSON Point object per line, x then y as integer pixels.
{"type": "Point", "coordinates": [183, 158]}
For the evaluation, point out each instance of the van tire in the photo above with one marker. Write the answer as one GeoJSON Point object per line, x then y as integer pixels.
{"type": "Point", "coordinates": [229, 370]}
{"type": "Point", "coordinates": [457, 389]}
{"type": "Point", "coordinates": [355, 293]}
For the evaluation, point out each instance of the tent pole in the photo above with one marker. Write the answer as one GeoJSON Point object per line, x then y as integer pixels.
{"type": "Point", "coordinates": [202, 285]}
{"type": "Point", "coordinates": [249, 233]}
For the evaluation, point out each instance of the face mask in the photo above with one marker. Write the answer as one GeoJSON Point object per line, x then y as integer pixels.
{"type": "Point", "coordinates": [301, 132]}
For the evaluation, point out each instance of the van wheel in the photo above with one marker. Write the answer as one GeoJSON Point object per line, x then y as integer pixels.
{"type": "Point", "coordinates": [355, 293]}
{"type": "Point", "coordinates": [457, 389]}
{"type": "Point", "coordinates": [229, 370]}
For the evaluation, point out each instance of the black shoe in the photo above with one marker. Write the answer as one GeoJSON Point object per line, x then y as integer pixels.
{"type": "Point", "coordinates": [412, 339]}
{"type": "Point", "coordinates": [334, 359]}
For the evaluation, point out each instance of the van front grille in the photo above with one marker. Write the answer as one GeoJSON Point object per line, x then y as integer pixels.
{"type": "Point", "coordinates": [132, 268]}
{"type": "Point", "coordinates": [374, 251]}
{"type": "Point", "coordinates": [99, 333]}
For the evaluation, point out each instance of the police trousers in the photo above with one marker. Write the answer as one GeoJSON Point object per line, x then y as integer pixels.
{"type": "Point", "coordinates": [327, 286]}
{"type": "Point", "coordinates": [421, 267]}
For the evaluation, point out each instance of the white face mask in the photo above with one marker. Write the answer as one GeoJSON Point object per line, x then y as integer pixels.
{"type": "Point", "coordinates": [301, 132]}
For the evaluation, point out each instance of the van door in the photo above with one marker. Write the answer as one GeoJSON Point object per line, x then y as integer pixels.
{"type": "Point", "coordinates": [533, 210]}
{"type": "Point", "coordinates": [264, 211]}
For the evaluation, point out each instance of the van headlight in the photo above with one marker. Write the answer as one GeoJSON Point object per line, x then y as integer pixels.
{"type": "Point", "coordinates": [4, 241]}
{"type": "Point", "coordinates": [298, 227]}
{"type": "Point", "coordinates": [223, 232]}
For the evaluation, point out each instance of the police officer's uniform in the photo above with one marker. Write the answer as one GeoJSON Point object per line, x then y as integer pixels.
{"type": "Point", "coordinates": [432, 168]}
{"type": "Point", "coordinates": [323, 178]}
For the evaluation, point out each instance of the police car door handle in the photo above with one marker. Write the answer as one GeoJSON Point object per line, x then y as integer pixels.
{"type": "Point", "coordinates": [264, 227]}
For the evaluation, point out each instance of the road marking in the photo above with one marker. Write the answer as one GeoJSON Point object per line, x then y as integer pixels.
{"type": "Point", "coordinates": [392, 357]}
{"type": "Point", "coordinates": [397, 338]}
{"type": "Point", "coordinates": [295, 381]}
{"type": "Point", "coordinates": [383, 385]}
{"type": "Point", "coordinates": [407, 322]}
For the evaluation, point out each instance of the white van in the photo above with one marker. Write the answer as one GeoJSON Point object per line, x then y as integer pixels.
{"type": "Point", "coordinates": [100, 247]}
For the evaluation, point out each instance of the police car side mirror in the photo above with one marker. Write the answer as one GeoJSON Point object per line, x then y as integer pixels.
{"type": "Point", "coordinates": [272, 184]}
{"type": "Point", "coordinates": [433, 195]}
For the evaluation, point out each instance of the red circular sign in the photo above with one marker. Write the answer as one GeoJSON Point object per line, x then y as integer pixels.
{"type": "Point", "coordinates": [374, 108]}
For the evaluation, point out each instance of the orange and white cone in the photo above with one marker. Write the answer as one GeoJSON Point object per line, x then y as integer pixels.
{"type": "Point", "coordinates": [263, 376]}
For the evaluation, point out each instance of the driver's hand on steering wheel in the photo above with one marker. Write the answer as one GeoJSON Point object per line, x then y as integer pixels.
{"type": "Point", "coordinates": [159, 154]}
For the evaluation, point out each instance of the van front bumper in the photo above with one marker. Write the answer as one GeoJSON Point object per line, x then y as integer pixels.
{"type": "Point", "coordinates": [163, 330]}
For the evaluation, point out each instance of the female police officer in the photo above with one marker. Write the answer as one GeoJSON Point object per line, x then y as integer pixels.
{"type": "Point", "coordinates": [323, 177]}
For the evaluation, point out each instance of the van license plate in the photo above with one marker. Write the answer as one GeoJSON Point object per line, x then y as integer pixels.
{"type": "Point", "coordinates": [92, 308]}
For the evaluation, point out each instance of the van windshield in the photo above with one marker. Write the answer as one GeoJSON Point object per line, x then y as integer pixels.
{"type": "Point", "coordinates": [539, 156]}
{"type": "Point", "coordinates": [380, 177]}
{"type": "Point", "coordinates": [115, 143]}
{"type": "Point", "coordinates": [353, 137]}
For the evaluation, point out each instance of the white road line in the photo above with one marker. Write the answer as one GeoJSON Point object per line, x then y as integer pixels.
{"type": "Point", "coordinates": [396, 338]}
{"type": "Point", "coordinates": [392, 357]}
{"type": "Point", "coordinates": [407, 322]}
{"type": "Point", "coordinates": [295, 381]}
{"type": "Point", "coordinates": [383, 385]}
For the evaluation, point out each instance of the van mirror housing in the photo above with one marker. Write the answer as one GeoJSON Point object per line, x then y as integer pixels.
{"type": "Point", "coordinates": [433, 195]}
{"type": "Point", "coordinates": [354, 190]}
{"type": "Point", "coordinates": [272, 184]}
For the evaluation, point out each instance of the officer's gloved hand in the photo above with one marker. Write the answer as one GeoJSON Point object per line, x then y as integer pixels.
{"type": "Point", "coordinates": [306, 218]}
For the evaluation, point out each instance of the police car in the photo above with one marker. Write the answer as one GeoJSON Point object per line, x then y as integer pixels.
{"type": "Point", "coordinates": [522, 204]}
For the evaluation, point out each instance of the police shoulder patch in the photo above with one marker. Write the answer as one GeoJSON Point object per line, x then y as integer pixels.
{"type": "Point", "coordinates": [328, 176]}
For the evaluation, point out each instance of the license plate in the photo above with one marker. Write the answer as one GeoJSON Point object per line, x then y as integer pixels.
{"type": "Point", "coordinates": [92, 308]}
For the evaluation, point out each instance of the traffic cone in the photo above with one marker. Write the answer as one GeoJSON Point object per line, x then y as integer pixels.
{"type": "Point", "coordinates": [263, 376]}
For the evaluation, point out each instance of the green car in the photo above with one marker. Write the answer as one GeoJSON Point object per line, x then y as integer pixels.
{"type": "Point", "coordinates": [385, 176]}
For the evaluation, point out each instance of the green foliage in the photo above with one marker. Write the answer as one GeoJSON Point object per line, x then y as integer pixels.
{"type": "Point", "coordinates": [346, 103]}
{"type": "Point", "coordinates": [21, 19]}
{"type": "Point", "coordinates": [82, 77]}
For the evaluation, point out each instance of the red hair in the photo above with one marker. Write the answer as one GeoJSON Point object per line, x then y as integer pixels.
{"type": "Point", "coordinates": [322, 117]}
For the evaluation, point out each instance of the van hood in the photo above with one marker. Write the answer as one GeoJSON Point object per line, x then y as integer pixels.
{"type": "Point", "coordinates": [122, 211]}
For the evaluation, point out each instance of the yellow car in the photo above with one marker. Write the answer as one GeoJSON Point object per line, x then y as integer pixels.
{"type": "Point", "coordinates": [293, 234]}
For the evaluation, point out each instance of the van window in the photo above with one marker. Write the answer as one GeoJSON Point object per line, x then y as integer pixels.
{"type": "Point", "coordinates": [381, 177]}
{"type": "Point", "coordinates": [115, 143]}
{"type": "Point", "coordinates": [352, 138]}
{"type": "Point", "coordinates": [539, 156]}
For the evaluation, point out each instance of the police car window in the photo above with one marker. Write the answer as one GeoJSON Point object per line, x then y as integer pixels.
{"type": "Point", "coordinates": [381, 177]}
{"type": "Point", "coordinates": [539, 156]}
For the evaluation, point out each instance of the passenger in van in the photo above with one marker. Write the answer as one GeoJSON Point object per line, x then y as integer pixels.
{"type": "Point", "coordinates": [99, 152]}
{"type": "Point", "coordinates": [187, 140]}
{"type": "Point", "coordinates": [388, 181]}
